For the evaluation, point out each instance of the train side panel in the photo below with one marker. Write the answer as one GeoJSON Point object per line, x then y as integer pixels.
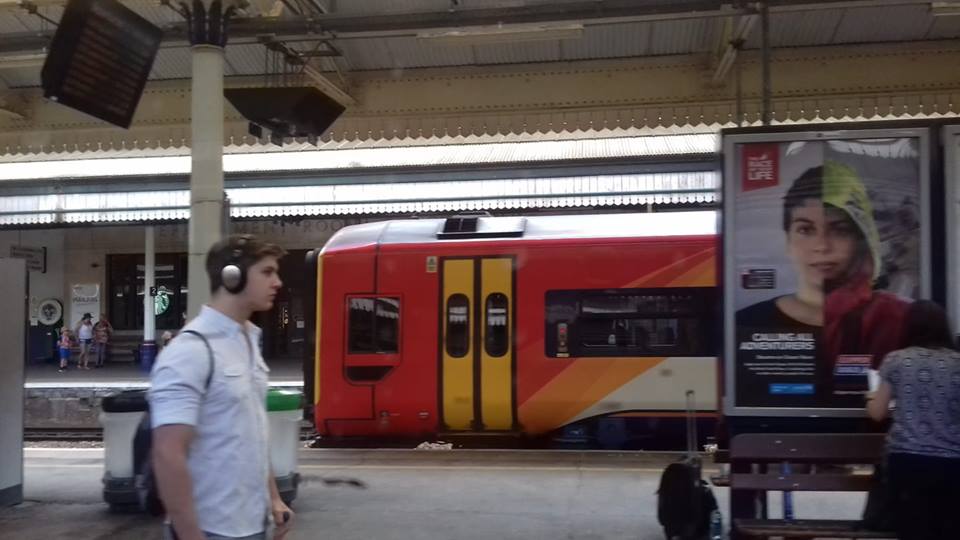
{"type": "Point", "coordinates": [406, 398]}
{"type": "Point", "coordinates": [556, 391]}
{"type": "Point", "coordinates": [520, 387]}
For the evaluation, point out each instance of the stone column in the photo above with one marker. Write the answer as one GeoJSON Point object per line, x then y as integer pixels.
{"type": "Point", "coordinates": [207, 21]}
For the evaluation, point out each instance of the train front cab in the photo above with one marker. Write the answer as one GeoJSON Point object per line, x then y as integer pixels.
{"type": "Point", "coordinates": [412, 352]}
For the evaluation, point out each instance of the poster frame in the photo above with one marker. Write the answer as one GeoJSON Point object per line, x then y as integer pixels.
{"type": "Point", "coordinates": [950, 135]}
{"type": "Point", "coordinates": [730, 169]}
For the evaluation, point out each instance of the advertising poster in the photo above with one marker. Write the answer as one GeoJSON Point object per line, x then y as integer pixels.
{"type": "Point", "coordinates": [826, 248]}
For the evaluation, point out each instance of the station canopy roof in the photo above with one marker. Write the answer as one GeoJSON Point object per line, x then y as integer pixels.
{"type": "Point", "coordinates": [62, 192]}
{"type": "Point", "coordinates": [369, 35]}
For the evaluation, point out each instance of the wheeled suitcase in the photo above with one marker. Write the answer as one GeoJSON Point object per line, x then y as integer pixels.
{"type": "Point", "coordinates": [685, 503]}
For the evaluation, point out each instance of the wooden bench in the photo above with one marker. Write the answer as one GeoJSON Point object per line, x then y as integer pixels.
{"type": "Point", "coordinates": [755, 462]}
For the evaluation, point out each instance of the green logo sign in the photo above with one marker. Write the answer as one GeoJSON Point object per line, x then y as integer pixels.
{"type": "Point", "coordinates": [161, 302]}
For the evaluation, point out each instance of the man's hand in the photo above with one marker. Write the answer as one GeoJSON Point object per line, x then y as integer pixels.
{"type": "Point", "coordinates": [282, 517]}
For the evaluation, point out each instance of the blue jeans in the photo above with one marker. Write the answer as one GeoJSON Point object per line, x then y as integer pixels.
{"type": "Point", "coordinates": [101, 353]}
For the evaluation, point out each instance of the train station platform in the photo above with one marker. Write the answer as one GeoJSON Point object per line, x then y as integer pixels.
{"type": "Point", "coordinates": [405, 494]}
{"type": "Point", "coordinates": [71, 400]}
{"type": "Point", "coordinates": [283, 372]}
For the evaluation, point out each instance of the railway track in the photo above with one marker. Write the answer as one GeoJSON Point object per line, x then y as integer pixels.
{"type": "Point", "coordinates": [63, 434]}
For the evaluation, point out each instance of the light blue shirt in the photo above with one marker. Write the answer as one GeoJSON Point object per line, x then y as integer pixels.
{"type": "Point", "coordinates": [229, 458]}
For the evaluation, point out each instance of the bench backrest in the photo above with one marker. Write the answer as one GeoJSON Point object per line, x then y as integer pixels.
{"type": "Point", "coordinates": [843, 448]}
{"type": "Point", "coordinates": [803, 448]}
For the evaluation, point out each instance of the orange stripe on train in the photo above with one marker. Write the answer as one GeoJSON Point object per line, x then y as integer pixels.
{"type": "Point", "coordinates": [581, 385]}
{"type": "Point", "coordinates": [668, 275]}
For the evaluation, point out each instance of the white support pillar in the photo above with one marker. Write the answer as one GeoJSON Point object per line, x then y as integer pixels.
{"type": "Point", "coordinates": [206, 177]}
{"type": "Point", "coordinates": [148, 351]}
{"type": "Point", "coordinates": [13, 331]}
{"type": "Point", "coordinates": [208, 36]}
{"type": "Point", "coordinates": [149, 281]}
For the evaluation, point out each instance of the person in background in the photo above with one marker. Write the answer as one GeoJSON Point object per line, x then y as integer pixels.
{"type": "Point", "coordinates": [84, 332]}
{"type": "Point", "coordinates": [165, 339]}
{"type": "Point", "coordinates": [64, 344]}
{"type": "Point", "coordinates": [210, 451]}
{"type": "Point", "coordinates": [923, 443]}
{"type": "Point", "coordinates": [102, 331]}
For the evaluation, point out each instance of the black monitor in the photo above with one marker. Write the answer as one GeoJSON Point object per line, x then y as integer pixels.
{"type": "Point", "coordinates": [100, 59]}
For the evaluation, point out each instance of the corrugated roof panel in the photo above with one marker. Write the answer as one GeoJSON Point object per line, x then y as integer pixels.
{"type": "Point", "coordinates": [52, 12]}
{"type": "Point", "coordinates": [680, 37]}
{"type": "Point", "coordinates": [517, 53]}
{"type": "Point", "coordinates": [608, 41]}
{"type": "Point", "coordinates": [798, 28]}
{"type": "Point", "coordinates": [368, 53]}
{"type": "Point", "coordinates": [945, 28]}
{"type": "Point", "coordinates": [892, 23]}
{"type": "Point", "coordinates": [379, 7]}
{"type": "Point", "coordinates": [155, 12]}
{"type": "Point", "coordinates": [371, 198]}
{"type": "Point", "coordinates": [410, 52]}
{"type": "Point", "coordinates": [371, 158]}
{"type": "Point", "coordinates": [17, 21]}
{"type": "Point", "coordinates": [172, 63]}
{"type": "Point", "coordinates": [326, 64]}
{"type": "Point", "coordinates": [246, 59]}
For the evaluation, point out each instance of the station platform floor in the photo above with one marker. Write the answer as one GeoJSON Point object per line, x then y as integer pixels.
{"type": "Point", "coordinates": [71, 400]}
{"type": "Point", "coordinates": [406, 495]}
{"type": "Point", "coordinates": [283, 372]}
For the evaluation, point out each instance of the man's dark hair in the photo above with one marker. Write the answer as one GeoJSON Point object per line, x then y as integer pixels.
{"type": "Point", "coordinates": [928, 326]}
{"type": "Point", "coordinates": [808, 186]}
{"type": "Point", "coordinates": [251, 251]}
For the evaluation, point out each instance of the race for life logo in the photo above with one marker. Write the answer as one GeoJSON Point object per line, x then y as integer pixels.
{"type": "Point", "coordinates": [761, 166]}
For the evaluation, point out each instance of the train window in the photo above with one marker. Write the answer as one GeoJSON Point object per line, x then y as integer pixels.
{"type": "Point", "coordinates": [374, 325]}
{"type": "Point", "coordinates": [458, 325]}
{"type": "Point", "coordinates": [631, 322]}
{"type": "Point", "coordinates": [497, 333]}
{"type": "Point", "coordinates": [387, 325]}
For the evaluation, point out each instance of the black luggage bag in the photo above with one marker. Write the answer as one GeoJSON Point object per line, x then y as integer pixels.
{"type": "Point", "coordinates": [685, 501]}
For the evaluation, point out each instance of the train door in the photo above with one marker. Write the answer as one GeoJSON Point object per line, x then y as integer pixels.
{"type": "Point", "coordinates": [477, 371]}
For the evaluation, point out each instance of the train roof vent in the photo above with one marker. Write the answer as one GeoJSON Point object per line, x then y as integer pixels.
{"type": "Point", "coordinates": [481, 226]}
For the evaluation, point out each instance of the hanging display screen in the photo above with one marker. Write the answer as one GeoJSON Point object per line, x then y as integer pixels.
{"type": "Point", "coordinates": [100, 58]}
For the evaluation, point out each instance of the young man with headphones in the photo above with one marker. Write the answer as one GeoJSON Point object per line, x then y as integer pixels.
{"type": "Point", "coordinates": [208, 406]}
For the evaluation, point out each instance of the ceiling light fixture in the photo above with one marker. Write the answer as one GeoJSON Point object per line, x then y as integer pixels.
{"type": "Point", "coordinates": [509, 33]}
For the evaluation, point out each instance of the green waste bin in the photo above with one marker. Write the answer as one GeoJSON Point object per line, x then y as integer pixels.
{"type": "Point", "coordinates": [284, 413]}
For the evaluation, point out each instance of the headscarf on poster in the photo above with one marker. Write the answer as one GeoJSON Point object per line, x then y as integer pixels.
{"type": "Point", "coordinates": [827, 257]}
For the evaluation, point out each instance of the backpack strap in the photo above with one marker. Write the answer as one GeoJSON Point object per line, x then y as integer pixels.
{"type": "Point", "coordinates": [209, 353]}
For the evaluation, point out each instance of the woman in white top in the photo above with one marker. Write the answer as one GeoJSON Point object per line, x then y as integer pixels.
{"type": "Point", "coordinates": [85, 335]}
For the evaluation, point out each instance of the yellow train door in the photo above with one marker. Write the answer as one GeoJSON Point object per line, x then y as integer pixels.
{"type": "Point", "coordinates": [477, 366]}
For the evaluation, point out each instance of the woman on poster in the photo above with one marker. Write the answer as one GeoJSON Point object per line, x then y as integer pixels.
{"type": "Point", "coordinates": [833, 243]}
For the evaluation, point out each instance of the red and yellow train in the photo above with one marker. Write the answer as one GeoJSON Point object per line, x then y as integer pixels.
{"type": "Point", "coordinates": [478, 324]}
